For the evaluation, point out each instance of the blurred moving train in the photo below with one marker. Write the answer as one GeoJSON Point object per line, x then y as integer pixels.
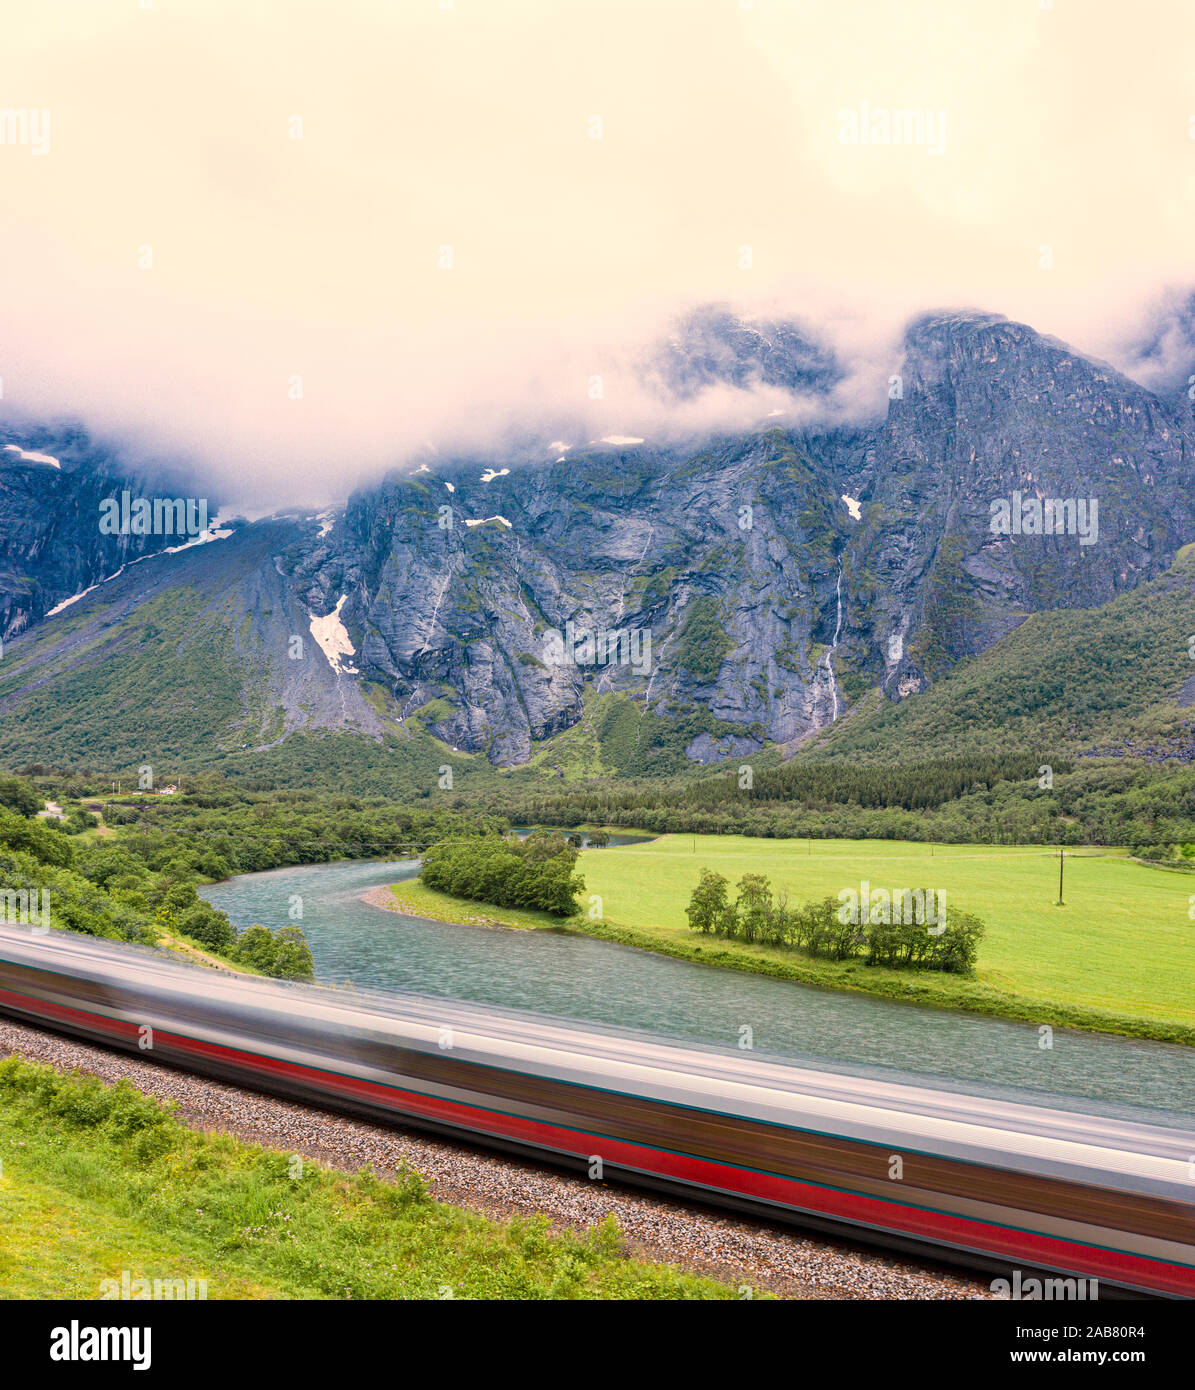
{"type": "Point", "coordinates": [982, 1182]}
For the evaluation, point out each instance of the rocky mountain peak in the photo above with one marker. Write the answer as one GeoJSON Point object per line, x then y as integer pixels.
{"type": "Point", "coordinates": [713, 346]}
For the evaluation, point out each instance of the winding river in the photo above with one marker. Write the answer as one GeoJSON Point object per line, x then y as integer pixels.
{"type": "Point", "coordinates": [576, 977]}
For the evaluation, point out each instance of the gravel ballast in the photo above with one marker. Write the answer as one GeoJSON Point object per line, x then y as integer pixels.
{"type": "Point", "coordinates": [737, 1250]}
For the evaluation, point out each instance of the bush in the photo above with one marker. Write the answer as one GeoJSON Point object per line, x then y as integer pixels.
{"type": "Point", "coordinates": [17, 795]}
{"type": "Point", "coordinates": [208, 926]}
{"type": "Point", "coordinates": [534, 873]}
{"type": "Point", "coordinates": [284, 954]}
{"type": "Point", "coordinates": [34, 837]}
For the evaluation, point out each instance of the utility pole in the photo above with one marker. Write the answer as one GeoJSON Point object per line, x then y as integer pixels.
{"type": "Point", "coordinates": [1060, 903]}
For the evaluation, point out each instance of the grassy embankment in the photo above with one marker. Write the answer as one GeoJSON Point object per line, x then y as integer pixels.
{"type": "Point", "coordinates": [96, 1180]}
{"type": "Point", "coordinates": [1118, 958]}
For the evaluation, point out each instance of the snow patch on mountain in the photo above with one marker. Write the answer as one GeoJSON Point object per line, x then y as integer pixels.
{"type": "Point", "coordinates": [74, 598]}
{"type": "Point", "coordinates": [214, 532]}
{"type": "Point", "coordinates": [334, 642]}
{"type": "Point", "coordinates": [30, 456]}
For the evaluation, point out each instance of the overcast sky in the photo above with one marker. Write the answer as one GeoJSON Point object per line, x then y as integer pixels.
{"type": "Point", "coordinates": [173, 257]}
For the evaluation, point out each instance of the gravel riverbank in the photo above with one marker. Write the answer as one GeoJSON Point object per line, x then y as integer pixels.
{"type": "Point", "coordinates": [737, 1250]}
{"type": "Point", "coordinates": [385, 897]}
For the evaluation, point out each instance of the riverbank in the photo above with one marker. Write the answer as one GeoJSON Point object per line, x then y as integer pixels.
{"type": "Point", "coordinates": [190, 950]}
{"type": "Point", "coordinates": [1118, 959]}
{"type": "Point", "coordinates": [417, 900]}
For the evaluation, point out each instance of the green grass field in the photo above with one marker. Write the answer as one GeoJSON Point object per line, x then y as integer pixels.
{"type": "Point", "coordinates": [1119, 957]}
{"type": "Point", "coordinates": [97, 1180]}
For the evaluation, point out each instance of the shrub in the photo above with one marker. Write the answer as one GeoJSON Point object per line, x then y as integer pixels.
{"type": "Point", "coordinates": [284, 954]}
{"type": "Point", "coordinates": [208, 926]}
{"type": "Point", "coordinates": [535, 873]}
{"type": "Point", "coordinates": [18, 795]}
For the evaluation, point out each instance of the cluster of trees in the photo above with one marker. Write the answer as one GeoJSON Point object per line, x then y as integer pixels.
{"type": "Point", "coordinates": [222, 833]}
{"type": "Point", "coordinates": [825, 928]}
{"type": "Point", "coordinates": [533, 873]}
{"type": "Point", "coordinates": [75, 903]}
{"type": "Point", "coordinates": [990, 802]}
{"type": "Point", "coordinates": [129, 888]}
{"type": "Point", "coordinates": [915, 787]}
{"type": "Point", "coordinates": [19, 796]}
{"type": "Point", "coordinates": [1177, 856]}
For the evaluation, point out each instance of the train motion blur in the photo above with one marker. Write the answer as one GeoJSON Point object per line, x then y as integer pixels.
{"type": "Point", "coordinates": [982, 1182]}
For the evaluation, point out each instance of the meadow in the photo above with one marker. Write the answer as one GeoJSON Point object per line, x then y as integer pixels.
{"type": "Point", "coordinates": [98, 1180]}
{"type": "Point", "coordinates": [1118, 957]}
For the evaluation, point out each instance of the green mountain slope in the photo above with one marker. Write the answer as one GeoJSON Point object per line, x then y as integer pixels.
{"type": "Point", "coordinates": [1117, 679]}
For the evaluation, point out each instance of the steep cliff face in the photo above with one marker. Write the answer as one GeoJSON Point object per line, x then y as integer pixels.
{"type": "Point", "coordinates": [710, 577]}
{"type": "Point", "coordinates": [991, 414]}
{"type": "Point", "coordinates": [743, 590]}
{"type": "Point", "coordinates": [769, 604]}
{"type": "Point", "coordinates": [52, 480]}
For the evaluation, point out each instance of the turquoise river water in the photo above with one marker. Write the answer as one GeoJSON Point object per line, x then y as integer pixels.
{"type": "Point", "coordinates": [573, 976]}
